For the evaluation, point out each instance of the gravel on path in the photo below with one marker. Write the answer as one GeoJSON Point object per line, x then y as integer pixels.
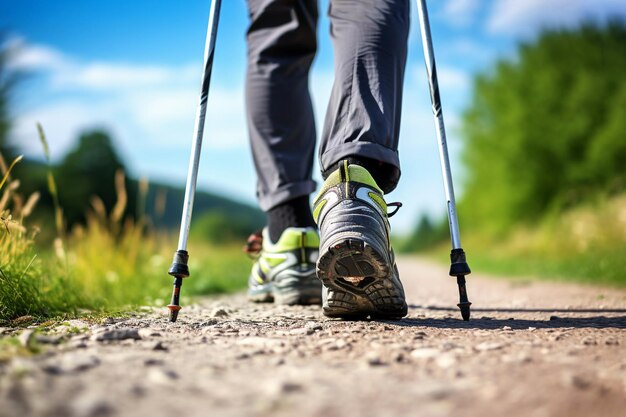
{"type": "Point", "coordinates": [531, 349]}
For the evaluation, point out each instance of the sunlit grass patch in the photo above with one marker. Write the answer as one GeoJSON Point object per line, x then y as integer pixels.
{"type": "Point", "coordinates": [112, 263]}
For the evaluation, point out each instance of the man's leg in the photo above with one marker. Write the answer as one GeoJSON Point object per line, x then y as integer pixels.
{"type": "Point", "coordinates": [356, 263]}
{"type": "Point", "coordinates": [281, 47]}
{"type": "Point", "coordinates": [363, 117]}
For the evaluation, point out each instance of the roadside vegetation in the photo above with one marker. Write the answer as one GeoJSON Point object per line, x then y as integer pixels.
{"type": "Point", "coordinates": [544, 151]}
{"type": "Point", "coordinates": [106, 264]}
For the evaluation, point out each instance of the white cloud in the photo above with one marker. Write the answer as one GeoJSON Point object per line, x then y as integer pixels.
{"type": "Point", "coordinates": [453, 79]}
{"type": "Point", "coordinates": [524, 18]}
{"type": "Point", "coordinates": [460, 12]}
{"type": "Point", "coordinates": [27, 57]}
{"type": "Point", "coordinates": [158, 103]}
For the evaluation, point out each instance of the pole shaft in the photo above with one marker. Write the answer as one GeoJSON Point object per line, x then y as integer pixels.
{"type": "Point", "coordinates": [194, 160]}
{"type": "Point", "coordinates": [429, 57]}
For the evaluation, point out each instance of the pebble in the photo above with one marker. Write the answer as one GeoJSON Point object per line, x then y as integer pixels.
{"type": "Point", "coordinates": [554, 318]}
{"type": "Point", "coordinates": [161, 376]}
{"type": "Point", "coordinates": [424, 353]}
{"type": "Point", "coordinates": [374, 359]}
{"type": "Point", "coordinates": [159, 346]}
{"type": "Point", "coordinates": [117, 334]}
{"type": "Point", "coordinates": [146, 333]}
{"type": "Point", "coordinates": [589, 341]}
{"type": "Point", "coordinates": [314, 326]}
{"type": "Point", "coordinates": [48, 340]}
{"type": "Point", "coordinates": [26, 338]}
{"type": "Point", "coordinates": [153, 362]}
{"type": "Point", "coordinates": [577, 381]}
{"type": "Point", "coordinates": [70, 363]}
{"type": "Point", "coordinates": [301, 332]}
{"type": "Point", "coordinates": [446, 361]}
{"type": "Point", "coordinates": [77, 324]}
{"type": "Point", "coordinates": [611, 341]}
{"type": "Point", "coordinates": [219, 312]}
{"type": "Point", "coordinates": [260, 342]}
{"type": "Point", "coordinates": [486, 346]}
{"type": "Point", "coordinates": [506, 328]}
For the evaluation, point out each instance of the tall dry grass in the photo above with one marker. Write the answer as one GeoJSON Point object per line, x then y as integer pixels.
{"type": "Point", "coordinates": [113, 262]}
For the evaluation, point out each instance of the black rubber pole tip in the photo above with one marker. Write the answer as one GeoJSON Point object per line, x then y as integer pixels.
{"type": "Point", "coordinates": [465, 310]}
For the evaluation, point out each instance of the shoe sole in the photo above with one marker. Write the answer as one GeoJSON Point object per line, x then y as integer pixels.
{"type": "Point", "coordinates": [375, 293]}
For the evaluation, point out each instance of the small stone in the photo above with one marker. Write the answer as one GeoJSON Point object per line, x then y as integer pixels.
{"type": "Point", "coordinates": [159, 346]}
{"type": "Point", "coordinates": [611, 341]}
{"type": "Point", "coordinates": [219, 312]}
{"type": "Point", "coordinates": [532, 329]}
{"type": "Point", "coordinates": [153, 362]}
{"type": "Point", "coordinates": [341, 343]}
{"type": "Point", "coordinates": [146, 333]}
{"type": "Point", "coordinates": [162, 376]}
{"type": "Point", "coordinates": [277, 361]}
{"type": "Point", "coordinates": [486, 346]}
{"type": "Point", "coordinates": [314, 326]}
{"type": "Point", "coordinates": [589, 341]}
{"type": "Point", "coordinates": [71, 364]}
{"type": "Point", "coordinates": [260, 342]}
{"type": "Point", "coordinates": [117, 334]}
{"type": "Point", "coordinates": [506, 328]}
{"type": "Point", "coordinates": [554, 318]}
{"type": "Point", "coordinates": [26, 338]}
{"type": "Point", "coordinates": [578, 381]}
{"type": "Point", "coordinates": [301, 332]}
{"type": "Point", "coordinates": [374, 359]}
{"type": "Point", "coordinates": [288, 387]}
{"type": "Point", "coordinates": [424, 353]}
{"type": "Point", "coordinates": [48, 340]}
{"type": "Point", "coordinates": [77, 324]}
{"type": "Point", "coordinates": [446, 361]}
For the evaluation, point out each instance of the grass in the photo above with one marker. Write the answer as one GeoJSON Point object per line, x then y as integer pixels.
{"type": "Point", "coordinates": [110, 264]}
{"type": "Point", "coordinates": [585, 244]}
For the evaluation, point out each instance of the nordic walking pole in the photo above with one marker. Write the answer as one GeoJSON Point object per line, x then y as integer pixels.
{"type": "Point", "coordinates": [458, 267]}
{"type": "Point", "coordinates": [179, 268]}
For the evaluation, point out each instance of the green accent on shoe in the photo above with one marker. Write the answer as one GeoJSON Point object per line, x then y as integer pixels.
{"type": "Point", "coordinates": [284, 272]}
{"type": "Point", "coordinates": [379, 200]}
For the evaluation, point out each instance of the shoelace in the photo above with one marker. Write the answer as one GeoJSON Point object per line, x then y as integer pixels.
{"type": "Point", "coordinates": [397, 205]}
{"type": "Point", "coordinates": [254, 244]}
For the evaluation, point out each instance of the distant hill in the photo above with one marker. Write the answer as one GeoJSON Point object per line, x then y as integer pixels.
{"type": "Point", "coordinates": [163, 203]}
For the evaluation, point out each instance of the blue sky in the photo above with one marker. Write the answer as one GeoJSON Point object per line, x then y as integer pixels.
{"type": "Point", "coordinates": [133, 67]}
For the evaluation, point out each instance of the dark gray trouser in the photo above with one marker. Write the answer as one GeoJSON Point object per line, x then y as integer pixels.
{"type": "Point", "coordinates": [363, 116]}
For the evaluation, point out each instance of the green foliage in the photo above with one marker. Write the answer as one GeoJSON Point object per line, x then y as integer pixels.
{"type": "Point", "coordinates": [219, 228]}
{"type": "Point", "coordinates": [88, 170]}
{"type": "Point", "coordinates": [425, 235]}
{"type": "Point", "coordinates": [545, 130]}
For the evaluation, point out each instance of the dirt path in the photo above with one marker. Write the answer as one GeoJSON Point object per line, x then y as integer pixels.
{"type": "Point", "coordinates": [532, 349]}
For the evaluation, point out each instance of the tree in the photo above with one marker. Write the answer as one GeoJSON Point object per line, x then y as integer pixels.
{"type": "Point", "coordinates": [8, 79]}
{"type": "Point", "coordinates": [545, 130]}
{"type": "Point", "coordinates": [88, 170]}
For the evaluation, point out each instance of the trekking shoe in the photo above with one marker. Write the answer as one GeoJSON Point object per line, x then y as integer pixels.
{"type": "Point", "coordinates": [356, 264]}
{"type": "Point", "coordinates": [284, 272]}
